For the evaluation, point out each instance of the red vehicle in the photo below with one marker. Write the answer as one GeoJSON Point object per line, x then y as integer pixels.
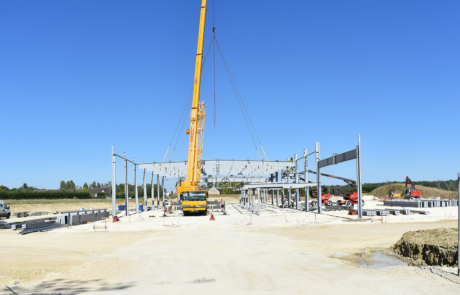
{"type": "Point", "coordinates": [411, 192]}
{"type": "Point", "coordinates": [348, 199]}
{"type": "Point", "coordinates": [325, 198]}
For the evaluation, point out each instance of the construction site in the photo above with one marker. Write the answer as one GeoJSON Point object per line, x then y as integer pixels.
{"type": "Point", "coordinates": [281, 231]}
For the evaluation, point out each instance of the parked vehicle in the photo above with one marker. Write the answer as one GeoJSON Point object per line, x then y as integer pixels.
{"type": "Point", "coordinates": [4, 210]}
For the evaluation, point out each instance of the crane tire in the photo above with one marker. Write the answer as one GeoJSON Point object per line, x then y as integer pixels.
{"type": "Point", "coordinates": [362, 203]}
{"type": "Point", "coordinates": [349, 203]}
{"type": "Point", "coordinates": [329, 203]}
{"type": "Point", "coordinates": [8, 216]}
{"type": "Point", "coordinates": [314, 203]}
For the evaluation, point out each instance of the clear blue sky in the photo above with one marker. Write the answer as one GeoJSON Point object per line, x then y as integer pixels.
{"type": "Point", "coordinates": [77, 77]}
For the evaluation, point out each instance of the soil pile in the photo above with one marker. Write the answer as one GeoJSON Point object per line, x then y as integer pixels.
{"type": "Point", "coordinates": [429, 247]}
{"type": "Point", "coordinates": [427, 192]}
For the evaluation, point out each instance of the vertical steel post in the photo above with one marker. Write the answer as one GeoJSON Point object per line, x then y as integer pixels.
{"type": "Point", "coordinates": [152, 191]}
{"type": "Point", "coordinates": [163, 189]}
{"type": "Point", "coordinates": [296, 175]}
{"type": "Point", "coordinates": [258, 202]}
{"type": "Point", "coordinates": [318, 180]}
{"type": "Point", "coordinates": [458, 227]}
{"type": "Point", "coordinates": [158, 191]}
{"type": "Point", "coordinates": [273, 197]}
{"type": "Point", "coordinates": [307, 190]}
{"type": "Point", "coordinates": [136, 193]}
{"type": "Point", "coordinates": [126, 185]}
{"type": "Point", "coordinates": [253, 200]}
{"type": "Point", "coordinates": [145, 192]}
{"type": "Point", "coordinates": [289, 190]}
{"type": "Point", "coordinates": [277, 191]}
{"type": "Point", "coordinates": [114, 183]}
{"type": "Point", "coordinates": [360, 184]}
{"type": "Point", "coordinates": [249, 200]}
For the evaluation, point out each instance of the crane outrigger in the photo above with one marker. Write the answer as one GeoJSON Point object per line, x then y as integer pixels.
{"type": "Point", "coordinates": [193, 199]}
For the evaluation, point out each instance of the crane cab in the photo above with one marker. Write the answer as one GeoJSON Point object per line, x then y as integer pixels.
{"type": "Point", "coordinates": [194, 202]}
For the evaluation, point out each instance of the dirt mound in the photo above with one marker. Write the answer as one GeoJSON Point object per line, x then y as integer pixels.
{"type": "Point", "coordinates": [427, 192]}
{"type": "Point", "coordinates": [431, 247]}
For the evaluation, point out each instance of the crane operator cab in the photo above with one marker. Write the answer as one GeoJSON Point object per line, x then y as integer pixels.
{"type": "Point", "coordinates": [194, 202]}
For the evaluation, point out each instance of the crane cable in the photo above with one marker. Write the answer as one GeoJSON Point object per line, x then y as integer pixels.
{"type": "Point", "coordinates": [214, 37]}
{"type": "Point", "coordinates": [187, 104]}
{"type": "Point", "coordinates": [240, 98]}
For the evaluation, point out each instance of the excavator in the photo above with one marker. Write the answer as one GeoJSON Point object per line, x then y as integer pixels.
{"type": "Point", "coordinates": [411, 192]}
{"type": "Point", "coordinates": [193, 199]}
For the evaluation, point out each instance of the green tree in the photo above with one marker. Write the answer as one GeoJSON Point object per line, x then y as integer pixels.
{"type": "Point", "coordinates": [98, 184]}
{"type": "Point", "coordinates": [93, 184]}
{"type": "Point", "coordinates": [72, 184]}
{"type": "Point", "coordinates": [85, 185]}
{"type": "Point", "coordinates": [62, 185]}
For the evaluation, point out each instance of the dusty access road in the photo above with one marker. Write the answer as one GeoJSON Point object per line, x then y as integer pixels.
{"type": "Point", "coordinates": [191, 255]}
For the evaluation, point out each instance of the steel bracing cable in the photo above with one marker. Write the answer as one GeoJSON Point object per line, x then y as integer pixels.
{"type": "Point", "coordinates": [241, 103]}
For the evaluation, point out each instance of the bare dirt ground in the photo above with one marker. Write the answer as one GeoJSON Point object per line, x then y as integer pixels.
{"type": "Point", "coordinates": [279, 252]}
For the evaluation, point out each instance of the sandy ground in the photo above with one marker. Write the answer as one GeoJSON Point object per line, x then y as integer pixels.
{"type": "Point", "coordinates": [279, 252]}
{"type": "Point", "coordinates": [75, 205]}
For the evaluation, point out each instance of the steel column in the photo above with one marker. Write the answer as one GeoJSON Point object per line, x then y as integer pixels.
{"type": "Point", "coordinates": [307, 189]}
{"type": "Point", "coordinates": [152, 191]}
{"type": "Point", "coordinates": [296, 175]}
{"type": "Point", "coordinates": [135, 188]}
{"type": "Point", "coordinates": [145, 192]}
{"type": "Point", "coordinates": [289, 190]}
{"type": "Point", "coordinates": [253, 200]}
{"type": "Point", "coordinates": [114, 183]}
{"type": "Point", "coordinates": [126, 185]}
{"type": "Point", "coordinates": [318, 179]}
{"type": "Point", "coordinates": [258, 202]}
{"type": "Point", "coordinates": [360, 185]}
{"type": "Point", "coordinates": [163, 189]}
{"type": "Point", "coordinates": [277, 191]}
{"type": "Point", "coordinates": [458, 227]}
{"type": "Point", "coordinates": [158, 191]}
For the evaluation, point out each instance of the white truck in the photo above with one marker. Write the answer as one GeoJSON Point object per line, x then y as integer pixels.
{"type": "Point", "coordinates": [4, 210]}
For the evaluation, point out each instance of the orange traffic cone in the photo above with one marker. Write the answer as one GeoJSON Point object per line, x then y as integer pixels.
{"type": "Point", "coordinates": [116, 219]}
{"type": "Point", "coordinates": [212, 217]}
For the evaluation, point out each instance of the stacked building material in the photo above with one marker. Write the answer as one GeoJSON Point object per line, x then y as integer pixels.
{"type": "Point", "coordinates": [421, 203]}
{"type": "Point", "coordinates": [77, 217]}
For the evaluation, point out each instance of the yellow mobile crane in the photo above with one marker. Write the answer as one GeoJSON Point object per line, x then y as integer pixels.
{"type": "Point", "coordinates": [193, 199]}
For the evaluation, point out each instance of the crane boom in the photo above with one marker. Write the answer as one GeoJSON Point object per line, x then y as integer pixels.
{"type": "Point", "coordinates": [197, 116]}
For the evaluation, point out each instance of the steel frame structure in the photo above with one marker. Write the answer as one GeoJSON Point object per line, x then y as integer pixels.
{"type": "Point", "coordinates": [262, 176]}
